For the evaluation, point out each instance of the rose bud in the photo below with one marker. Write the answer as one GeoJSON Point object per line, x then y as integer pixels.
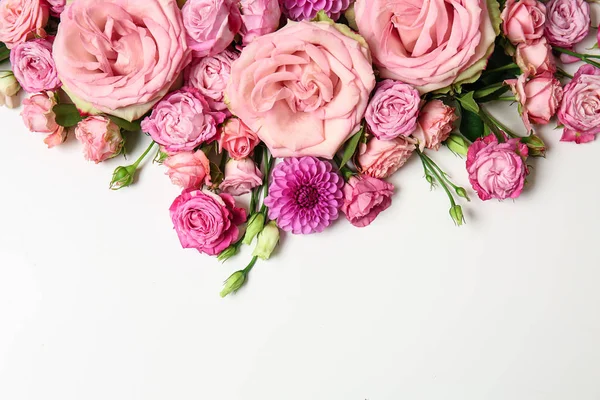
{"type": "Point", "coordinates": [9, 88]}
{"type": "Point", "coordinates": [38, 116]}
{"type": "Point", "coordinates": [267, 241]}
{"type": "Point", "coordinates": [241, 177]}
{"type": "Point", "coordinates": [536, 57]}
{"type": "Point", "coordinates": [122, 177]}
{"type": "Point", "coordinates": [365, 198]}
{"type": "Point", "coordinates": [434, 124]}
{"type": "Point", "coordinates": [255, 226]}
{"type": "Point", "coordinates": [188, 170]}
{"type": "Point", "coordinates": [457, 215]}
{"type": "Point", "coordinates": [101, 138]}
{"type": "Point", "coordinates": [523, 21]}
{"type": "Point", "coordinates": [233, 283]}
{"type": "Point", "coordinates": [457, 144]}
{"type": "Point", "coordinates": [237, 139]}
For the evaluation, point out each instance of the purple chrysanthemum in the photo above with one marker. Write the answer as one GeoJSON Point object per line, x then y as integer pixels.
{"type": "Point", "coordinates": [299, 10]}
{"type": "Point", "coordinates": [305, 195]}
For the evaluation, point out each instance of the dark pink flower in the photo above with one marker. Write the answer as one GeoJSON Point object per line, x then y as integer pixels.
{"type": "Point", "coordinates": [365, 198]}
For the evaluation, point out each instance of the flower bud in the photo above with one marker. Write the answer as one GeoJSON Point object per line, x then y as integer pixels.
{"type": "Point", "coordinates": [457, 215]}
{"type": "Point", "coordinates": [535, 144]}
{"type": "Point", "coordinates": [462, 193]}
{"type": "Point", "coordinates": [255, 226]}
{"type": "Point", "coordinates": [457, 144]}
{"type": "Point", "coordinates": [267, 241]}
{"type": "Point", "coordinates": [122, 177]}
{"type": "Point", "coordinates": [233, 283]}
{"type": "Point", "coordinates": [228, 253]}
{"type": "Point", "coordinates": [9, 88]}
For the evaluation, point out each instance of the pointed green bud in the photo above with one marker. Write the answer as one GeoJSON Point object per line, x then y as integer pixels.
{"type": "Point", "coordinates": [267, 241]}
{"type": "Point", "coordinates": [228, 253]}
{"type": "Point", "coordinates": [255, 226]}
{"type": "Point", "coordinates": [233, 283]}
{"type": "Point", "coordinates": [122, 177]}
{"type": "Point", "coordinates": [457, 215]}
{"type": "Point", "coordinates": [535, 144]}
{"type": "Point", "coordinates": [457, 144]}
{"type": "Point", "coordinates": [462, 193]}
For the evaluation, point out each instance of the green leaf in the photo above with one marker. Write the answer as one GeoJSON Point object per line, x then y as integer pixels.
{"type": "Point", "coordinates": [491, 92]}
{"type": "Point", "coordinates": [126, 125]}
{"type": "Point", "coordinates": [216, 175]}
{"type": "Point", "coordinates": [471, 125]}
{"type": "Point", "coordinates": [351, 147]}
{"type": "Point", "coordinates": [468, 103]}
{"type": "Point", "coordinates": [4, 52]}
{"type": "Point", "coordinates": [67, 115]}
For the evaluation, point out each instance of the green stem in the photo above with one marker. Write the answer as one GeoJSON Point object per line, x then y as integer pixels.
{"type": "Point", "coordinates": [506, 67]}
{"type": "Point", "coordinates": [250, 265]}
{"type": "Point", "coordinates": [438, 178]}
{"type": "Point", "coordinates": [499, 124]}
{"type": "Point", "coordinates": [4, 52]}
{"type": "Point", "coordinates": [442, 173]}
{"type": "Point", "coordinates": [563, 73]}
{"type": "Point", "coordinates": [486, 90]}
{"type": "Point", "coordinates": [224, 158]}
{"type": "Point", "coordinates": [144, 154]}
{"type": "Point", "coordinates": [506, 98]}
{"type": "Point", "coordinates": [583, 57]}
{"type": "Point", "coordinates": [265, 187]}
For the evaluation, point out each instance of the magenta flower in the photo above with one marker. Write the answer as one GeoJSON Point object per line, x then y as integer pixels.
{"type": "Point", "coordinates": [299, 10]}
{"type": "Point", "coordinates": [305, 195]}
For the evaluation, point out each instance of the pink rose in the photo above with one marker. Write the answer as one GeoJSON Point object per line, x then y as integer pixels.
{"type": "Point", "coordinates": [101, 138]}
{"type": "Point", "coordinates": [21, 20]}
{"type": "Point", "coordinates": [210, 25]}
{"type": "Point", "coordinates": [182, 121]}
{"type": "Point", "coordinates": [435, 124]}
{"type": "Point", "coordinates": [393, 110]}
{"type": "Point", "coordinates": [237, 139]}
{"type": "Point", "coordinates": [259, 17]}
{"type": "Point", "coordinates": [523, 20]}
{"type": "Point", "coordinates": [381, 158]}
{"type": "Point", "coordinates": [579, 111]}
{"type": "Point", "coordinates": [38, 117]}
{"type": "Point", "coordinates": [567, 22]}
{"type": "Point", "coordinates": [497, 170]}
{"type": "Point", "coordinates": [303, 89]}
{"type": "Point", "coordinates": [188, 169]}
{"type": "Point", "coordinates": [241, 177]}
{"type": "Point", "coordinates": [57, 6]}
{"type": "Point", "coordinates": [428, 44]}
{"type": "Point", "coordinates": [205, 221]}
{"type": "Point", "coordinates": [365, 198]}
{"type": "Point", "coordinates": [536, 57]}
{"type": "Point", "coordinates": [118, 56]}
{"type": "Point", "coordinates": [210, 76]}
{"type": "Point", "coordinates": [539, 97]}
{"type": "Point", "coordinates": [34, 66]}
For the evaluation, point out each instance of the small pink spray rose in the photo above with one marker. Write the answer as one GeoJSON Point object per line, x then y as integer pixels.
{"type": "Point", "coordinates": [34, 66]}
{"type": "Point", "coordinates": [393, 110]}
{"type": "Point", "coordinates": [182, 120]}
{"type": "Point", "coordinates": [434, 125]}
{"type": "Point", "coordinates": [536, 57]}
{"type": "Point", "coordinates": [22, 20]}
{"type": "Point", "coordinates": [381, 158]}
{"type": "Point", "coordinates": [101, 138]}
{"type": "Point", "coordinates": [523, 20]}
{"type": "Point", "coordinates": [188, 169]}
{"type": "Point", "coordinates": [539, 97]}
{"type": "Point", "coordinates": [567, 22]}
{"type": "Point", "coordinates": [365, 198]}
{"type": "Point", "coordinates": [237, 139]}
{"type": "Point", "coordinates": [579, 110]}
{"type": "Point", "coordinates": [38, 117]}
{"type": "Point", "coordinates": [241, 177]}
{"type": "Point", "coordinates": [497, 170]}
{"type": "Point", "coordinates": [210, 25]}
{"type": "Point", "coordinates": [206, 221]}
{"type": "Point", "coordinates": [259, 17]}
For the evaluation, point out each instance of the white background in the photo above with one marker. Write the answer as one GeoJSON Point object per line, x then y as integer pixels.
{"type": "Point", "coordinates": [99, 301]}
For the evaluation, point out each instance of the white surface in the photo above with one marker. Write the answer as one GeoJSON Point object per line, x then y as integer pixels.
{"type": "Point", "coordinates": [98, 300]}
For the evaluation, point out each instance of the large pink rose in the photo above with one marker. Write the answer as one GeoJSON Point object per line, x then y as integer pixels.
{"type": "Point", "coordinates": [34, 66]}
{"type": "Point", "coordinates": [434, 125]}
{"type": "Point", "coordinates": [101, 138]}
{"type": "Point", "coordinates": [259, 17]}
{"type": "Point", "coordinates": [381, 158]}
{"type": "Point", "coordinates": [188, 169]}
{"type": "Point", "coordinates": [205, 221]}
{"type": "Point", "coordinates": [568, 22]}
{"type": "Point", "coordinates": [365, 198]}
{"type": "Point", "coordinates": [523, 20]}
{"type": "Point", "coordinates": [182, 120]}
{"type": "Point", "coordinates": [303, 89]}
{"type": "Point", "coordinates": [210, 25]}
{"type": "Point", "coordinates": [210, 76]}
{"type": "Point", "coordinates": [539, 97]}
{"type": "Point", "coordinates": [579, 111]}
{"type": "Point", "coordinates": [38, 116]}
{"type": "Point", "coordinates": [119, 56]}
{"type": "Point", "coordinates": [21, 20]}
{"type": "Point", "coordinates": [497, 170]}
{"type": "Point", "coordinates": [429, 44]}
